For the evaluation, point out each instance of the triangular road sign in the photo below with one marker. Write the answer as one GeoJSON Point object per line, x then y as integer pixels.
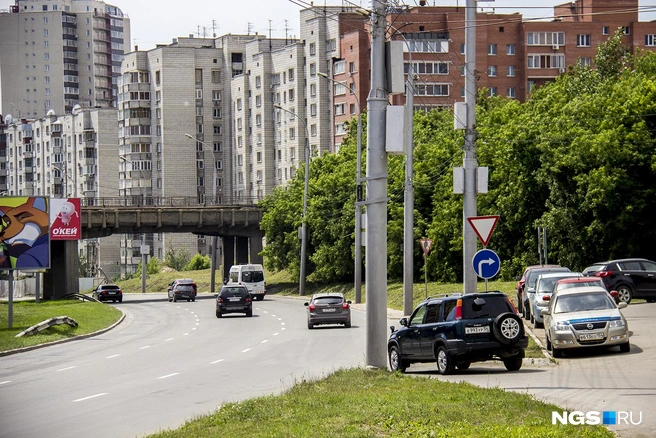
{"type": "Point", "coordinates": [426, 245]}
{"type": "Point", "coordinates": [483, 227]}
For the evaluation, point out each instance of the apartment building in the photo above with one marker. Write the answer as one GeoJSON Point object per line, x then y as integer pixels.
{"type": "Point", "coordinates": [60, 156]}
{"type": "Point", "coordinates": [55, 54]}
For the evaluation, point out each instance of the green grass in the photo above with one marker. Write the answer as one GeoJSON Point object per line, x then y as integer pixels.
{"type": "Point", "coordinates": [90, 317]}
{"type": "Point", "coordinates": [375, 403]}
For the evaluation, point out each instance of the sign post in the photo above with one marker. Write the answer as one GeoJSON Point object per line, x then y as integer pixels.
{"type": "Point", "coordinates": [426, 245]}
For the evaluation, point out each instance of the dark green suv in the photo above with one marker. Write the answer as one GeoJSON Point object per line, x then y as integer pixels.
{"type": "Point", "coordinates": [456, 330]}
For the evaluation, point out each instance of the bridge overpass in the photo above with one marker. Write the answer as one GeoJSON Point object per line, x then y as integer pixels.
{"type": "Point", "coordinates": [237, 224]}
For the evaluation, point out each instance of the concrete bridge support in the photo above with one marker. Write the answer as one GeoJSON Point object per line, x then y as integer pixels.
{"type": "Point", "coordinates": [242, 250]}
{"type": "Point", "coordinates": [228, 259]}
{"type": "Point", "coordinates": [62, 277]}
{"type": "Point", "coordinates": [256, 249]}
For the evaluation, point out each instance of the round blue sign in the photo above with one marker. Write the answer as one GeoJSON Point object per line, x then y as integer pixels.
{"type": "Point", "coordinates": [486, 263]}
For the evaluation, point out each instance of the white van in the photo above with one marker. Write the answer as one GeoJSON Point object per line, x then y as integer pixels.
{"type": "Point", "coordinates": [251, 276]}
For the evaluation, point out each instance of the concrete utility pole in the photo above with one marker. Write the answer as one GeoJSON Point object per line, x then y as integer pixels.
{"type": "Point", "coordinates": [376, 272]}
{"type": "Point", "coordinates": [409, 198]}
{"type": "Point", "coordinates": [469, 198]}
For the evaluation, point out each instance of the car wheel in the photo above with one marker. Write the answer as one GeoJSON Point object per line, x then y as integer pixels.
{"type": "Point", "coordinates": [527, 312]}
{"type": "Point", "coordinates": [463, 365]}
{"type": "Point", "coordinates": [218, 314]}
{"type": "Point", "coordinates": [514, 363]}
{"type": "Point", "coordinates": [175, 300]}
{"type": "Point", "coordinates": [625, 347]}
{"type": "Point", "coordinates": [444, 361]}
{"type": "Point", "coordinates": [532, 318]}
{"type": "Point", "coordinates": [249, 313]}
{"type": "Point", "coordinates": [310, 326]}
{"type": "Point", "coordinates": [508, 328]}
{"type": "Point", "coordinates": [193, 299]}
{"type": "Point", "coordinates": [624, 293]}
{"type": "Point", "coordinates": [555, 353]}
{"type": "Point", "coordinates": [120, 300]}
{"type": "Point", "coordinates": [548, 344]}
{"type": "Point", "coordinates": [395, 361]}
{"type": "Point", "coordinates": [520, 307]}
{"type": "Point", "coordinates": [347, 324]}
{"type": "Point", "coordinates": [538, 324]}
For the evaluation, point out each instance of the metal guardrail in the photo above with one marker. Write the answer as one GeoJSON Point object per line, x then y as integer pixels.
{"type": "Point", "coordinates": [159, 201]}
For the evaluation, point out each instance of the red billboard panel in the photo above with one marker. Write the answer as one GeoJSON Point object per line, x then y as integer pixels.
{"type": "Point", "coordinates": [65, 219]}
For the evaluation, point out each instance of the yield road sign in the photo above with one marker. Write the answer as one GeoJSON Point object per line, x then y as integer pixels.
{"type": "Point", "coordinates": [426, 245]}
{"type": "Point", "coordinates": [483, 227]}
{"type": "Point", "coordinates": [486, 263]}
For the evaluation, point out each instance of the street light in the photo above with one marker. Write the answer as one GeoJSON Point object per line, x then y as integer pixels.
{"type": "Point", "coordinates": [215, 239]}
{"type": "Point", "coordinates": [301, 280]}
{"type": "Point", "coordinates": [358, 193]}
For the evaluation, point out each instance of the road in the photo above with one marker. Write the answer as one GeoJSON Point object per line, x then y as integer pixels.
{"type": "Point", "coordinates": [591, 380]}
{"type": "Point", "coordinates": [166, 363]}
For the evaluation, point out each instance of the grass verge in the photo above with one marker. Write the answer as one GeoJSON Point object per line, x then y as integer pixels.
{"type": "Point", "coordinates": [375, 403]}
{"type": "Point", "coordinates": [90, 317]}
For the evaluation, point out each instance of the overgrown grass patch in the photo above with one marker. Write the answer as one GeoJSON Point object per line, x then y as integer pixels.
{"type": "Point", "coordinates": [90, 317]}
{"type": "Point", "coordinates": [374, 403]}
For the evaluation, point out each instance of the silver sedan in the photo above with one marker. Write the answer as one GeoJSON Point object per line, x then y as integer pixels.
{"type": "Point", "coordinates": [584, 317]}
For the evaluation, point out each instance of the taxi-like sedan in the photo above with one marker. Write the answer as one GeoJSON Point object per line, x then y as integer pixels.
{"type": "Point", "coordinates": [584, 317]}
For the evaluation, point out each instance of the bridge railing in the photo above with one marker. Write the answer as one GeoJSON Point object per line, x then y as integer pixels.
{"type": "Point", "coordinates": [171, 201]}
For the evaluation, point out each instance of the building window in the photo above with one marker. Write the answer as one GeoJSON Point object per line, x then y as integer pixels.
{"type": "Point", "coordinates": [626, 30]}
{"type": "Point", "coordinates": [339, 89]}
{"type": "Point", "coordinates": [511, 71]}
{"type": "Point", "coordinates": [545, 38]}
{"type": "Point", "coordinates": [258, 81]}
{"type": "Point", "coordinates": [313, 90]}
{"type": "Point", "coordinates": [492, 70]}
{"type": "Point", "coordinates": [586, 62]}
{"type": "Point", "coordinates": [216, 76]}
{"type": "Point", "coordinates": [216, 113]}
{"type": "Point", "coordinates": [491, 49]}
{"type": "Point", "coordinates": [583, 40]}
{"type": "Point", "coordinates": [352, 109]}
{"type": "Point", "coordinates": [313, 69]}
{"type": "Point", "coordinates": [313, 130]}
{"type": "Point", "coordinates": [291, 95]}
{"type": "Point", "coordinates": [351, 67]}
{"type": "Point", "coordinates": [511, 92]}
{"type": "Point", "coordinates": [313, 49]}
{"type": "Point", "coordinates": [199, 94]}
{"type": "Point", "coordinates": [313, 109]}
{"type": "Point", "coordinates": [650, 40]}
{"type": "Point", "coordinates": [216, 96]}
{"type": "Point", "coordinates": [492, 91]}
{"type": "Point", "coordinates": [462, 48]}
{"type": "Point", "coordinates": [604, 30]}
{"type": "Point", "coordinates": [258, 100]}
{"type": "Point", "coordinates": [258, 120]}
{"type": "Point", "coordinates": [339, 67]}
{"type": "Point", "coordinates": [217, 129]}
{"type": "Point", "coordinates": [217, 146]}
{"type": "Point", "coordinates": [510, 49]}
{"type": "Point", "coordinates": [546, 61]}
{"type": "Point", "coordinates": [340, 109]}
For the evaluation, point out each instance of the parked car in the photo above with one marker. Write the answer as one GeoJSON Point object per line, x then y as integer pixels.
{"type": "Point", "coordinates": [520, 284]}
{"type": "Point", "coordinates": [631, 278]}
{"type": "Point", "coordinates": [584, 317]}
{"type": "Point", "coordinates": [106, 292]}
{"type": "Point", "coordinates": [567, 283]}
{"type": "Point", "coordinates": [234, 299]}
{"type": "Point", "coordinates": [544, 286]}
{"type": "Point", "coordinates": [529, 285]}
{"type": "Point", "coordinates": [455, 330]}
{"type": "Point", "coordinates": [182, 289]}
{"type": "Point", "coordinates": [328, 308]}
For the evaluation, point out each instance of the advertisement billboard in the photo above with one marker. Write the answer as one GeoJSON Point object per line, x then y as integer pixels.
{"type": "Point", "coordinates": [65, 219]}
{"type": "Point", "coordinates": [24, 232]}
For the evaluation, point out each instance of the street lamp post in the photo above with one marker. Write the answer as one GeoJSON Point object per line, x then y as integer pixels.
{"type": "Point", "coordinates": [358, 199]}
{"type": "Point", "coordinates": [301, 280]}
{"type": "Point", "coordinates": [215, 239]}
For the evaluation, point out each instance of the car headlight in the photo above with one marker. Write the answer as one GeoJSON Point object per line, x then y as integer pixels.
{"type": "Point", "coordinates": [617, 323]}
{"type": "Point", "coordinates": [562, 326]}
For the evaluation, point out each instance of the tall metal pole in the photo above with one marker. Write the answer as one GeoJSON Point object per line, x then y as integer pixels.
{"type": "Point", "coordinates": [469, 199]}
{"type": "Point", "coordinates": [409, 198]}
{"type": "Point", "coordinates": [143, 264]}
{"type": "Point", "coordinates": [376, 272]}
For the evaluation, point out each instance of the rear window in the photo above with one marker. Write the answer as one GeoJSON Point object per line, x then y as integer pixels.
{"type": "Point", "coordinates": [184, 287]}
{"type": "Point", "coordinates": [329, 300]}
{"type": "Point", "coordinates": [494, 305]}
{"type": "Point", "coordinates": [533, 275]}
{"type": "Point", "coordinates": [594, 268]}
{"type": "Point", "coordinates": [109, 287]}
{"type": "Point", "coordinates": [234, 292]}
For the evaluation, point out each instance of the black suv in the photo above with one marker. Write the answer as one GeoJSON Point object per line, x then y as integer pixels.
{"type": "Point", "coordinates": [234, 299]}
{"type": "Point", "coordinates": [456, 330]}
{"type": "Point", "coordinates": [631, 278]}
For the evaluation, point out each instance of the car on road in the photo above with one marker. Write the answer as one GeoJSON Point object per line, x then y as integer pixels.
{"type": "Point", "coordinates": [544, 286]}
{"type": "Point", "coordinates": [328, 308]}
{"type": "Point", "coordinates": [631, 278]}
{"type": "Point", "coordinates": [584, 317]}
{"type": "Point", "coordinates": [106, 292]}
{"type": "Point", "coordinates": [234, 299]}
{"type": "Point", "coordinates": [567, 283]}
{"type": "Point", "coordinates": [529, 285]}
{"type": "Point", "coordinates": [520, 284]}
{"type": "Point", "coordinates": [182, 289]}
{"type": "Point", "coordinates": [455, 330]}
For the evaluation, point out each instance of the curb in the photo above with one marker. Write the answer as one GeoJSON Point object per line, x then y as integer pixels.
{"type": "Point", "coordinates": [61, 341]}
{"type": "Point", "coordinates": [537, 340]}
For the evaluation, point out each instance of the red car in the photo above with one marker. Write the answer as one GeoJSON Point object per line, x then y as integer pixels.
{"type": "Point", "coordinates": [567, 283]}
{"type": "Point", "coordinates": [520, 284]}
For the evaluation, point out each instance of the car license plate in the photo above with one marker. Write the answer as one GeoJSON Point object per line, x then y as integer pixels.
{"type": "Point", "coordinates": [591, 336]}
{"type": "Point", "coordinates": [233, 298]}
{"type": "Point", "coordinates": [330, 309]}
{"type": "Point", "coordinates": [480, 329]}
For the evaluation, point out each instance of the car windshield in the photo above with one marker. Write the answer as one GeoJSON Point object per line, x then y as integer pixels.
{"type": "Point", "coordinates": [328, 300]}
{"type": "Point", "coordinates": [583, 302]}
{"type": "Point", "coordinates": [252, 276]}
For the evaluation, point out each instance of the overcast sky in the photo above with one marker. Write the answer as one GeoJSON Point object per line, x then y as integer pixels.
{"type": "Point", "coordinates": [158, 21]}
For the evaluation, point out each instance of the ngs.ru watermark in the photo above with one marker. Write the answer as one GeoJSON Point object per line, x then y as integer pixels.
{"type": "Point", "coordinates": [608, 418]}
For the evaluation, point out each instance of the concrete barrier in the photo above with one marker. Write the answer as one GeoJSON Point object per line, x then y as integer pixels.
{"type": "Point", "coordinates": [46, 324]}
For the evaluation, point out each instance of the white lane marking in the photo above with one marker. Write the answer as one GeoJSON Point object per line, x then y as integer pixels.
{"type": "Point", "coordinates": [266, 311]}
{"type": "Point", "coordinates": [6, 381]}
{"type": "Point", "coordinates": [198, 323]}
{"type": "Point", "coordinates": [266, 340]}
{"type": "Point", "coordinates": [91, 396]}
{"type": "Point", "coordinates": [169, 339]}
{"type": "Point", "coordinates": [195, 328]}
{"type": "Point", "coordinates": [279, 319]}
{"type": "Point", "coordinates": [112, 356]}
{"type": "Point", "coordinates": [282, 328]}
{"type": "Point", "coordinates": [282, 323]}
{"type": "Point", "coordinates": [67, 368]}
{"type": "Point", "coordinates": [276, 334]}
{"type": "Point", "coordinates": [168, 375]}
{"type": "Point", "coordinates": [144, 347]}
{"type": "Point", "coordinates": [186, 334]}
{"type": "Point", "coordinates": [217, 361]}
{"type": "Point", "coordinates": [273, 315]}
{"type": "Point", "coordinates": [248, 349]}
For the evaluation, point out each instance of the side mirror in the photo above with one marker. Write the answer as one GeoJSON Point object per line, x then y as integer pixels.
{"type": "Point", "coordinates": [392, 329]}
{"type": "Point", "coordinates": [518, 278]}
{"type": "Point", "coordinates": [403, 322]}
{"type": "Point", "coordinates": [306, 304]}
{"type": "Point", "coordinates": [544, 312]}
{"type": "Point", "coordinates": [622, 305]}
{"type": "Point", "coordinates": [348, 302]}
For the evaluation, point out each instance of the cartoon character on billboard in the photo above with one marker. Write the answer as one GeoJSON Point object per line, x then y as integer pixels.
{"type": "Point", "coordinates": [24, 233]}
{"type": "Point", "coordinates": [67, 212]}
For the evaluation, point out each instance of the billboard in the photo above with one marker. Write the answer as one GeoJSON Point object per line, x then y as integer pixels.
{"type": "Point", "coordinates": [24, 232]}
{"type": "Point", "coordinates": [65, 219]}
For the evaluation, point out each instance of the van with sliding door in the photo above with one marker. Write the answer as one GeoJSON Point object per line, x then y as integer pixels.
{"type": "Point", "coordinates": [251, 276]}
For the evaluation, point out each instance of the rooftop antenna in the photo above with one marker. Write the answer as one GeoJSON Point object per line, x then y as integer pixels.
{"type": "Point", "coordinates": [286, 33]}
{"type": "Point", "coordinates": [270, 29]}
{"type": "Point", "coordinates": [214, 26]}
{"type": "Point", "coordinates": [250, 28]}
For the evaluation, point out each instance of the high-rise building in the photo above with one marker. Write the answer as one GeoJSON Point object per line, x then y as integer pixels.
{"type": "Point", "coordinates": [55, 54]}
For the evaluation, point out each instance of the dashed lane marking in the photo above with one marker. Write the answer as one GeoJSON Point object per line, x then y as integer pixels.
{"type": "Point", "coordinates": [67, 368]}
{"type": "Point", "coordinates": [90, 397]}
{"type": "Point", "coordinates": [112, 356]}
{"type": "Point", "coordinates": [248, 349]}
{"type": "Point", "coordinates": [217, 361]}
{"type": "Point", "coordinates": [168, 375]}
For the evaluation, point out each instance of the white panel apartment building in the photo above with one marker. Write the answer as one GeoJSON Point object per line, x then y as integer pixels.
{"type": "Point", "coordinates": [55, 54]}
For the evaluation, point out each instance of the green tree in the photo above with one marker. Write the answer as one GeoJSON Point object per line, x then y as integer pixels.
{"type": "Point", "coordinates": [198, 262]}
{"type": "Point", "coordinates": [153, 266]}
{"type": "Point", "coordinates": [176, 259]}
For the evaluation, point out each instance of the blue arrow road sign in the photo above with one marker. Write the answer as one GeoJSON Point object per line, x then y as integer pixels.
{"type": "Point", "coordinates": [486, 263]}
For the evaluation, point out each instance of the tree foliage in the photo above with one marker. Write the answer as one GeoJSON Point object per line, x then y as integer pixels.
{"type": "Point", "coordinates": [198, 262]}
{"type": "Point", "coordinates": [176, 259]}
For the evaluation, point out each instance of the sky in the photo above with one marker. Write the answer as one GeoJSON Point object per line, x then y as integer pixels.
{"type": "Point", "coordinates": [158, 21]}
